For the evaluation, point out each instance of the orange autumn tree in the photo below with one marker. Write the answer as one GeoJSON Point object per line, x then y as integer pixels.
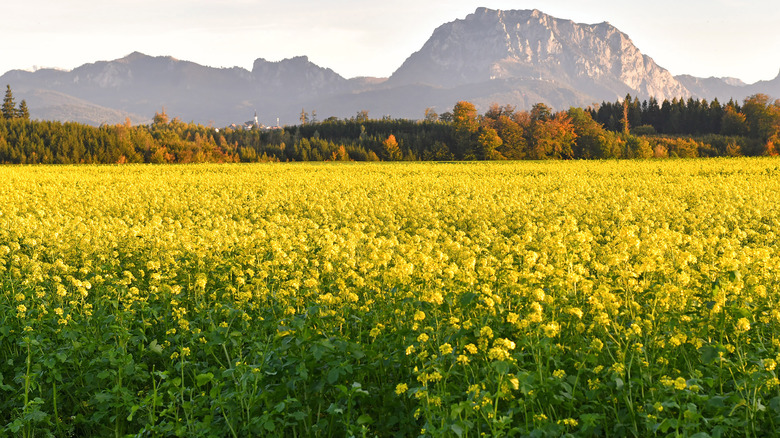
{"type": "Point", "coordinates": [390, 149]}
{"type": "Point", "coordinates": [552, 136]}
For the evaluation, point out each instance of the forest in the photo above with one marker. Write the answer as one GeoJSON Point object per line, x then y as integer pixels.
{"type": "Point", "coordinates": [622, 129]}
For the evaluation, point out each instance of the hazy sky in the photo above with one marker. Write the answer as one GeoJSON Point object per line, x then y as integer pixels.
{"type": "Point", "coordinates": [736, 38]}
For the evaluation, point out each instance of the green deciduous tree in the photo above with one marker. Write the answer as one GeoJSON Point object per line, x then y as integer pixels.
{"type": "Point", "coordinates": [592, 141]}
{"type": "Point", "coordinates": [760, 116]}
{"type": "Point", "coordinates": [638, 147]}
{"type": "Point", "coordinates": [540, 112]}
{"type": "Point", "coordinates": [733, 123]}
{"type": "Point", "coordinates": [487, 143]}
{"type": "Point", "coordinates": [512, 133]}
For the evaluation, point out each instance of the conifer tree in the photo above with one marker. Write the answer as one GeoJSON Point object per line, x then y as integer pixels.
{"type": "Point", "coordinates": [8, 109]}
{"type": "Point", "coordinates": [23, 113]}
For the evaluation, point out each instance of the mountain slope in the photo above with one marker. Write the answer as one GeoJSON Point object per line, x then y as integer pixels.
{"type": "Point", "coordinates": [51, 105]}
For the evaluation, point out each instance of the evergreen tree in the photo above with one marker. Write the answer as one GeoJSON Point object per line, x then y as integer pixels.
{"type": "Point", "coordinates": [653, 117]}
{"type": "Point", "coordinates": [634, 113]}
{"type": "Point", "coordinates": [715, 116]}
{"type": "Point", "coordinates": [8, 110]}
{"type": "Point", "coordinates": [625, 120]}
{"type": "Point", "coordinates": [23, 113]}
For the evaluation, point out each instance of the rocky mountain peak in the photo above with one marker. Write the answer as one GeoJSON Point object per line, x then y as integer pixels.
{"type": "Point", "coordinates": [531, 45]}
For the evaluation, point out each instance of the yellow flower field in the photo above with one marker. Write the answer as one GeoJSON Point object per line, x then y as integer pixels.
{"type": "Point", "coordinates": [390, 299]}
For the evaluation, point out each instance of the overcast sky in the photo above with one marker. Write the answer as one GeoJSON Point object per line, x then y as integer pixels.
{"type": "Point", "coordinates": [369, 38]}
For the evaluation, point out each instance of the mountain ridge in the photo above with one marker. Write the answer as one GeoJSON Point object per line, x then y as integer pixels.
{"type": "Point", "coordinates": [516, 57]}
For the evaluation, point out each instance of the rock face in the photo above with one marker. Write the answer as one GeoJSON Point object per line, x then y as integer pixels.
{"type": "Point", "coordinates": [507, 57]}
{"type": "Point", "coordinates": [491, 44]}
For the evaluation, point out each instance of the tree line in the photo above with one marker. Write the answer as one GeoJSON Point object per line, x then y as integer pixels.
{"type": "Point", "coordinates": [754, 118]}
{"type": "Point", "coordinates": [623, 129]}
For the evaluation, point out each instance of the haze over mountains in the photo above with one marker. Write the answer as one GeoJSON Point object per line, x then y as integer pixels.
{"type": "Point", "coordinates": [508, 57]}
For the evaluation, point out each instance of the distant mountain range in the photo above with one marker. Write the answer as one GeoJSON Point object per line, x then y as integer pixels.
{"type": "Point", "coordinates": [515, 57]}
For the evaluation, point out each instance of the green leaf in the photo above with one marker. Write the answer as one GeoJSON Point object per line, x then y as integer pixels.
{"type": "Point", "coordinates": [467, 298]}
{"type": "Point", "coordinates": [364, 419]}
{"type": "Point", "coordinates": [457, 429]}
{"type": "Point", "coordinates": [103, 397]}
{"type": "Point", "coordinates": [36, 416]}
{"type": "Point", "coordinates": [202, 379]}
{"type": "Point", "coordinates": [719, 401]}
{"type": "Point", "coordinates": [744, 313]}
{"type": "Point", "coordinates": [317, 351]}
{"type": "Point", "coordinates": [4, 386]}
{"type": "Point", "coordinates": [709, 354]}
{"type": "Point", "coordinates": [133, 410]}
{"type": "Point", "coordinates": [456, 410]}
{"type": "Point", "coordinates": [501, 367]}
{"type": "Point", "coordinates": [333, 375]}
{"type": "Point", "coordinates": [155, 347]}
{"type": "Point", "coordinates": [303, 373]}
{"type": "Point", "coordinates": [774, 404]}
{"type": "Point", "coordinates": [16, 426]}
{"type": "Point", "coordinates": [591, 419]}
